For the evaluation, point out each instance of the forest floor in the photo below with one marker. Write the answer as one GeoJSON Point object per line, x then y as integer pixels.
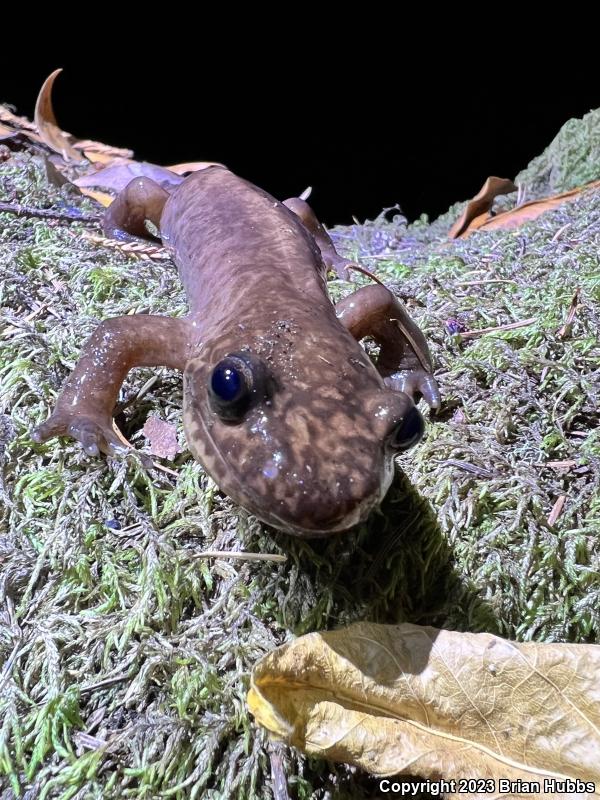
{"type": "Point", "coordinates": [125, 655]}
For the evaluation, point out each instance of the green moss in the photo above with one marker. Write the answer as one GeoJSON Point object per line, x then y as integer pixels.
{"type": "Point", "coordinates": [570, 160]}
{"type": "Point", "coordinates": [127, 657]}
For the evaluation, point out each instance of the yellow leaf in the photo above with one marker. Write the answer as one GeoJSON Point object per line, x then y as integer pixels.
{"type": "Point", "coordinates": [103, 198]}
{"type": "Point", "coordinates": [410, 700]}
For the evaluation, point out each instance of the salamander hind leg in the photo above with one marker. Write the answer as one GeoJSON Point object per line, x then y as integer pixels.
{"type": "Point", "coordinates": [404, 358]}
{"type": "Point", "coordinates": [333, 260]}
{"type": "Point", "coordinates": [86, 402]}
{"type": "Point", "coordinates": [142, 199]}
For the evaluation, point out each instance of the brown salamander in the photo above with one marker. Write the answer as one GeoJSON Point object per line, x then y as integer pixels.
{"type": "Point", "coordinates": [282, 406]}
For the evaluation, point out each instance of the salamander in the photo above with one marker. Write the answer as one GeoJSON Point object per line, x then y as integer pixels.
{"type": "Point", "coordinates": [282, 405]}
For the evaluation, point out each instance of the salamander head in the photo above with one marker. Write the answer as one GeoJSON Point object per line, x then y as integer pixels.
{"type": "Point", "coordinates": [306, 444]}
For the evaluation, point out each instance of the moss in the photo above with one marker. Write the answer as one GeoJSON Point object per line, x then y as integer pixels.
{"type": "Point", "coordinates": [570, 160]}
{"type": "Point", "coordinates": [126, 657]}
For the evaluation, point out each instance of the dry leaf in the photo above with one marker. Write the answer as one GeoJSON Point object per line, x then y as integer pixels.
{"type": "Point", "coordinates": [91, 148]}
{"type": "Point", "coordinates": [116, 177]}
{"type": "Point", "coordinates": [479, 206]}
{"type": "Point", "coordinates": [54, 176]}
{"type": "Point", "coordinates": [533, 209]}
{"type": "Point", "coordinates": [100, 197]}
{"type": "Point", "coordinates": [411, 700]}
{"type": "Point", "coordinates": [523, 213]}
{"type": "Point", "coordinates": [7, 133]}
{"type": "Point", "coordinates": [6, 115]}
{"type": "Point", "coordinates": [44, 118]}
{"type": "Point", "coordinates": [163, 438]}
{"type": "Point", "coordinates": [192, 166]}
{"type": "Point", "coordinates": [98, 158]}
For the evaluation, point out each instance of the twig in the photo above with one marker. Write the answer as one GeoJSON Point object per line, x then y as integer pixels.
{"type": "Point", "coordinates": [557, 509]}
{"type": "Point", "coordinates": [15, 328]}
{"type": "Point", "coordinates": [565, 329]}
{"type": "Point", "coordinates": [48, 213]}
{"type": "Point", "coordinates": [241, 556]}
{"type": "Point", "coordinates": [560, 231]}
{"type": "Point", "coordinates": [467, 466]}
{"type": "Point", "coordinates": [278, 777]}
{"type": "Point", "coordinates": [101, 684]}
{"type": "Point", "coordinates": [512, 326]}
{"type": "Point", "coordinates": [488, 280]}
{"type": "Point", "coordinates": [364, 272]}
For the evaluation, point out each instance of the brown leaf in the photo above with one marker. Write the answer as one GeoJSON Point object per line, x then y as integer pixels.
{"type": "Point", "coordinates": [116, 177]}
{"type": "Point", "coordinates": [90, 147]}
{"type": "Point", "coordinates": [479, 206]}
{"type": "Point", "coordinates": [44, 118]}
{"type": "Point", "coordinates": [54, 176]}
{"type": "Point", "coordinates": [528, 211]}
{"type": "Point", "coordinates": [411, 700]}
{"type": "Point", "coordinates": [192, 166]}
{"type": "Point", "coordinates": [163, 438]}
{"type": "Point", "coordinates": [98, 158]}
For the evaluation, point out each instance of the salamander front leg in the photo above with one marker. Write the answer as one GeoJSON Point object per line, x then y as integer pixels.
{"type": "Point", "coordinates": [142, 199]}
{"type": "Point", "coordinates": [86, 402]}
{"type": "Point", "coordinates": [404, 359]}
{"type": "Point", "coordinates": [333, 260]}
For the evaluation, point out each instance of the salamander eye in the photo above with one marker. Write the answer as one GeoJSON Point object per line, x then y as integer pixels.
{"type": "Point", "coordinates": [226, 382]}
{"type": "Point", "coordinates": [409, 431]}
{"type": "Point", "coordinates": [230, 387]}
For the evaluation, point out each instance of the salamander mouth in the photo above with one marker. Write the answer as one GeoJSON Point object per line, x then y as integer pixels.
{"type": "Point", "coordinates": [310, 529]}
{"type": "Point", "coordinates": [307, 530]}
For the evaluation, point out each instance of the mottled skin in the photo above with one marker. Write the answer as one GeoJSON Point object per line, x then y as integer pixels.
{"type": "Point", "coordinates": [314, 453]}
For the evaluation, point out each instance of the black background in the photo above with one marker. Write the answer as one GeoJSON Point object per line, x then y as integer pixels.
{"type": "Point", "coordinates": [366, 132]}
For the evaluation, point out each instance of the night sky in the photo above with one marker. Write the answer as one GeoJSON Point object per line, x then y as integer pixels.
{"type": "Point", "coordinates": [364, 135]}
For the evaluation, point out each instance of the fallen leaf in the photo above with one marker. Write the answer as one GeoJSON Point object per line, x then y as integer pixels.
{"type": "Point", "coordinates": [90, 147]}
{"type": "Point", "coordinates": [45, 121]}
{"type": "Point", "coordinates": [192, 166]}
{"type": "Point", "coordinates": [6, 115]}
{"type": "Point", "coordinates": [7, 133]}
{"type": "Point", "coordinates": [98, 158]}
{"type": "Point", "coordinates": [100, 197]}
{"type": "Point", "coordinates": [411, 700]}
{"type": "Point", "coordinates": [116, 177]}
{"type": "Point", "coordinates": [479, 206]}
{"type": "Point", "coordinates": [163, 438]}
{"type": "Point", "coordinates": [54, 176]}
{"type": "Point", "coordinates": [527, 211]}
